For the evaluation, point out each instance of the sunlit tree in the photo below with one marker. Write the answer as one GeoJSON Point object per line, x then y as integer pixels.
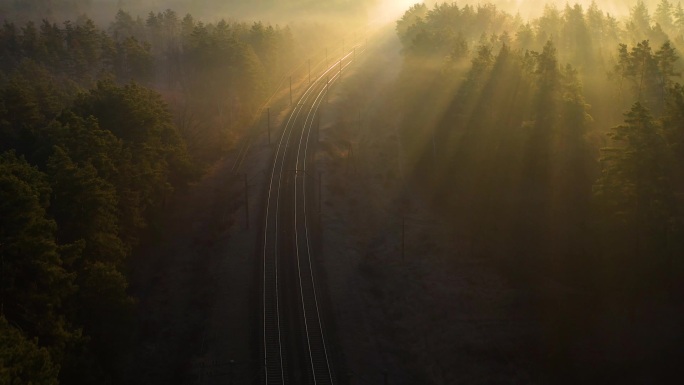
{"type": "Point", "coordinates": [577, 41]}
{"type": "Point", "coordinates": [678, 18]}
{"type": "Point", "coordinates": [405, 25]}
{"type": "Point", "coordinates": [639, 20]}
{"type": "Point", "coordinates": [524, 36]}
{"type": "Point", "coordinates": [666, 58]}
{"type": "Point", "coordinates": [548, 24]}
{"type": "Point", "coordinates": [649, 73]}
{"type": "Point", "coordinates": [664, 15]}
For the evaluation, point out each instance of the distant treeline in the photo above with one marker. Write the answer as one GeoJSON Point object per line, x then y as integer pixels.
{"type": "Point", "coordinates": [507, 121]}
{"type": "Point", "coordinates": [91, 150]}
{"type": "Point", "coordinates": [278, 10]}
{"type": "Point", "coordinates": [215, 75]}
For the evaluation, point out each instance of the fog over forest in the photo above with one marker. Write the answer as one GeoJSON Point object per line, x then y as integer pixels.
{"type": "Point", "coordinates": [341, 191]}
{"type": "Point", "coordinates": [274, 11]}
{"type": "Point", "coordinates": [271, 10]}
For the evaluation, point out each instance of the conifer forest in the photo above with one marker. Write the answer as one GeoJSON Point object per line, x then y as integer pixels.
{"type": "Point", "coordinates": [341, 191]}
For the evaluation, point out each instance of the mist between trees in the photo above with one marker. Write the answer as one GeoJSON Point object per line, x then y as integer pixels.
{"type": "Point", "coordinates": [99, 127]}
{"type": "Point", "coordinates": [558, 143]}
{"type": "Point", "coordinates": [276, 11]}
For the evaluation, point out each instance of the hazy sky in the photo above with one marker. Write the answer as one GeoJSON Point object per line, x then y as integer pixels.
{"type": "Point", "coordinates": [284, 11]}
{"type": "Point", "coordinates": [535, 7]}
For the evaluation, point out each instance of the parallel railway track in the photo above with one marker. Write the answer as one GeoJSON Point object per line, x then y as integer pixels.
{"type": "Point", "coordinates": [320, 65]}
{"type": "Point", "coordinates": [294, 349]}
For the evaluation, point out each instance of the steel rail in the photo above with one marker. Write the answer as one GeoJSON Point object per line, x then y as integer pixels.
{"type": "Point", "coordinates": [299, 267]}
{"type": "Point", "coordinates": [279, 366]}
{"type": "Point", "coordinates": [287, 131]}
{"type": "Point", "coordinates": [308, 125]}
{"type": "Point", "coordinates": [247, 142]}
{"type": "Point", "coordinates": [274, 360]}
{"type": "Point", "coordinates": [242, 153]}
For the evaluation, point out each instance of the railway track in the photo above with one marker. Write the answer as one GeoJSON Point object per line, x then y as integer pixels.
{"type": "Point", "coordinates": [294, 349]}
{"type": "Point", "coordinates": [320, 64]}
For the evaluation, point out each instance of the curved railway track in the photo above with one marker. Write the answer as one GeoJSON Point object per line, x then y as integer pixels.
{"type": "Point", "coordinates": [294, 349]}
{"type": "Point", "coordinates": [320, 64]}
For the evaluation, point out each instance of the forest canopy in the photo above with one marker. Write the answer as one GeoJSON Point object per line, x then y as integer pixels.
{"type": "Point", "coordinates": [556, 143]}
{"type": "Point", "coordinates": [559, 136]}
{"type": "Point", "coordinates": [100, 126]}
{"type": "Point", "coordinates": [553, 132]}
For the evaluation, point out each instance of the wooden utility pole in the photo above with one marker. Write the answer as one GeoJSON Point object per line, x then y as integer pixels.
{"type": "Point", "coordinates": [309, 71]}
{"type": "Point", "coordinates": [350, 156]}
{"type": "Point", "coordinates": [434, 148]}
{"type": "Point", "coordinates": [349, 151]}
{"type": "Point", "coordinates": [327, 88]}
{"type": "Point", "coordinates": [320, 197]}
{"type": "Point", "coordinates": [403, 237]}
{"type": "Point", "coordinates": [231, 371]}
{"type": "Point", "coordinates": [290, 90]}
{"type": "Point", "coordinates": [268, 120]}
{"type": "Point", "coordinates": [246, 202]}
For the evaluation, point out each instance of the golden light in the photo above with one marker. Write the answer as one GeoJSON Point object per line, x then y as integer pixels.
{"type": "Point", "coordinates": [534, 8]}
{"type": "Point", "coordinates": [388, 11]}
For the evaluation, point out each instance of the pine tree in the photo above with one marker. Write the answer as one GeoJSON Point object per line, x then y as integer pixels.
{"type": "Point", "coordinates": [524, 36]}
{"type": "Point", "coordinates": [34, 283]}
{"type": "Point", "coordinates": [85, 207]}
{"type": "Point", "coordinates": [665, 58]}
{"type": "Point", "coordinates": [640, 21]}
{"type": "Point", "coordinates": [678, 16]}
{"type": "Point", "coordinates": [577, 39]}
{"type": "Point", "coordinates": [650, 73]}
{"type": "Point", "coordinates": [156, 162]}
{"type": "Point", "coordinates": [406, 26]}
{"type": "Point", "coordinates": [635, 193]}
{"type": "Point", "coordinates": [549, 24]}
{"type": "Point", "coordinates": [23, 361]}
{"type": "Point", "coordinates": [663, 15]}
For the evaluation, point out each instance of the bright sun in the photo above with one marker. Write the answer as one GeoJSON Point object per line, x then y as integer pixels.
{"type": "Point", "coordinates": [388, 11]}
